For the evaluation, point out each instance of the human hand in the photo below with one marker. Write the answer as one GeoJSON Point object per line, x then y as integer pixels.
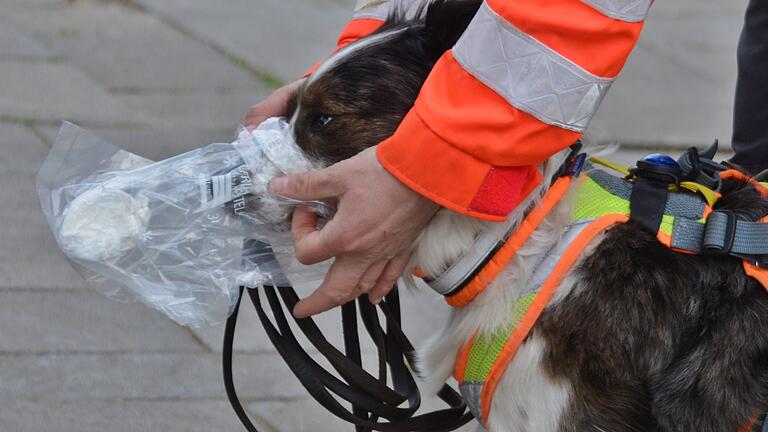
{"type": "Point", "coordinates": [371, 235]}
{"type": "Point", "coordinates": [275, 105]}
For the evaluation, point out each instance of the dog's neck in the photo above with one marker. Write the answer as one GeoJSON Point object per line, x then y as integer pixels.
{"type": "Point", "coordinates": [447, 238]}
{"type": "Point", "coordinates": [450, 236]}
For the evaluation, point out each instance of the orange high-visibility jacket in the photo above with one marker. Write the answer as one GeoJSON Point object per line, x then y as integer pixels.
{"type": "Point", "coordinates": [521, 84]}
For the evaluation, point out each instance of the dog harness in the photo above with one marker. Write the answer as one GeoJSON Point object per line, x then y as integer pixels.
{"type": "Point", "coordinates": [682, 217]}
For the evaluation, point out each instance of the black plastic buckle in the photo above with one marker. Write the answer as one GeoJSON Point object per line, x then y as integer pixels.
{"type": "Point", "coordinates": [761, 262]}
{"type": "Point", "coordinates": [573, 162]}
{"type": "Point", "coordinates": [701, 168]}
{"type": "Point", "coordinates": [730, 234]}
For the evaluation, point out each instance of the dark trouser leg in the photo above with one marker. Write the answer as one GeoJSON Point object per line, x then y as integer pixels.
{"type": "Point", "coordinates": [750, 125]}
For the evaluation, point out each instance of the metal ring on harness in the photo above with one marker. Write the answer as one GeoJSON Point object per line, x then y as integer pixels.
{"type": "Point", "coordinates": [370, 397]}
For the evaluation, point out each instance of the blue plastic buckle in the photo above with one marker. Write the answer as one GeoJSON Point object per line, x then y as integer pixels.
{"type": "Point", "coordinates": [576, 165]}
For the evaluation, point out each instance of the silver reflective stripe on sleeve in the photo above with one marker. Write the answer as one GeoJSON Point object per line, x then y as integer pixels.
{"type": "Point", "coordinates": [528, 74]}
{"type": "Point", "coordinates": [623, 10]}
{"type": "Point", "coordinates": [380, 10]}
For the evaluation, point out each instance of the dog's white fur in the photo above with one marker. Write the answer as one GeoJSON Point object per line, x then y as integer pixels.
{"type": "Point", "coordinates": [527, 398]}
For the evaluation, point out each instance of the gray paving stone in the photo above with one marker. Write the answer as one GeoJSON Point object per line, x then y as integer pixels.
{"type": "Point", "coordinates": [68, 19]}
{"type": "Point", "coordinates": [144, 62]}
{"type": "Point", "coordinates": [156, 143]}
{"type": "Point", "coordinates": [347, 4]}
{"type": "Point", "coordinates": [707, 47]}
{"type": "Point", "coordinates": [696, 9]}
{"type": "Point", "coordinates": [36, 4]}
{"type": "Point", "coordinates": [639, 112]}
{"type": "Point", "coordinates": [300, 416]}
{"type": "Point", "coordinates": [195, 111]}
{"type": "Point", "coordinates": [125, 48]}
{"type": "Point", "coordinates": [118, 416]}
{"type": "Point", "coordinates": [283, 37]}
{"type": "Point", "coordinates": [307, 415]}
{"type": "Point", "coordinates": [73, 377]}
{"type": "Point", "coordinates": [21, 151]}
{"type": "Point", "coordinates": [57, 321]}
{"type": "Point", "coordinates": [677, 88]}
{"type": "Point", "coordinates": [17, 45]}
{"type": "Point", "coordinates": [30, 257]}
{"type": "Point", "coordinates": [52, 92]}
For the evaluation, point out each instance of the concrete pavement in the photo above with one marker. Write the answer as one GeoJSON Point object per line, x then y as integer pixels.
{"type": "Point", "coordinates": [159, 77]}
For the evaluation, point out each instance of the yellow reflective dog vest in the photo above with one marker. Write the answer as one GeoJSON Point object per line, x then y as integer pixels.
{"type": "Point", "coordinates": [601, 200]}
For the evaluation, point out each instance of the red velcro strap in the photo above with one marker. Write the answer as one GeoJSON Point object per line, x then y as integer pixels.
{"type": "Point", "coordinates": [503, 189]}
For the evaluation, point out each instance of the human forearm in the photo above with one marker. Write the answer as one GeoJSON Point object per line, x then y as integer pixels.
{"type": "Point", "coordinates": [521, 84]}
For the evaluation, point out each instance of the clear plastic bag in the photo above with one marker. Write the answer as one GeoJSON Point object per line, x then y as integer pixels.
{"type": "Point", "coordinates": [172, 233]}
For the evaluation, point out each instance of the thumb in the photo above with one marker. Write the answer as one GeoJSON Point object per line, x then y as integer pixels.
{"type": "Point", "coordinates": [270, 107]}
{"type": "Point", "coordinates": [310, 185]}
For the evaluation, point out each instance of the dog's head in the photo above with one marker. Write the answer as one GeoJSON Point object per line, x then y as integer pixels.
{"type": "Point", "coordinates": [358, 97]}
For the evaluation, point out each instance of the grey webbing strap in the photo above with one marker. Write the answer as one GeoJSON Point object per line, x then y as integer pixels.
{"type": "Point", "coordinates": [721, 233]}
{"type": "Point", "coordinates": [687, 234]}
{"type": "Point", "coordinates": [452, 278]}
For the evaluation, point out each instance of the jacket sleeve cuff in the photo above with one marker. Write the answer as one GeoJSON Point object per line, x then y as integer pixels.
{"type": "Point", "coordinates": [356, 29]}
{"type": "Point", "coordinates": [431, 166]}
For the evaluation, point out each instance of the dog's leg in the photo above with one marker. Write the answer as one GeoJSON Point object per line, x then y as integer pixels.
{"type": "Point", "coordinates": [528, 398]}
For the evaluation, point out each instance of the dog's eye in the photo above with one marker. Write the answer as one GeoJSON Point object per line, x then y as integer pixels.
{"type": "Point", "coordinates": [322, 121]}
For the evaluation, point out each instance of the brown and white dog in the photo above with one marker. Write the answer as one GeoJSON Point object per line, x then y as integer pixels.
{"type": "Point", "coordinates": [637, 337]}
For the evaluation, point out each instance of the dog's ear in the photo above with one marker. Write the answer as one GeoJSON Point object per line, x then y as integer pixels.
{"type": "Point", "coordinates": [445, 22]}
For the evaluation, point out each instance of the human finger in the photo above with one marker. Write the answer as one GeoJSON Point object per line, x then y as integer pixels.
{"type": "Point", "coordinates": [388, 278]}
{"type": "Point", "coordinates": [310, 185]}
{"type": "Point", "coordinates": [312, 245]}
{"type": "Point", "coordinates": [260, 112]}
{"type": "Point", "coordinates": [368, 281]}
{"type": "Point", "coordinates": [303, 223]}
{"type": "Point", "coordinates": [337, 288]}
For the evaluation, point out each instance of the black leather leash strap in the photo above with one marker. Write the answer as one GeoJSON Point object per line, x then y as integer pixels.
{"type": "Point", "coordinates": [370, 397]}
{"type": "Point", "coordinates": [229, 384]}
{"type": "Point", "coordinates": [352, 349]}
